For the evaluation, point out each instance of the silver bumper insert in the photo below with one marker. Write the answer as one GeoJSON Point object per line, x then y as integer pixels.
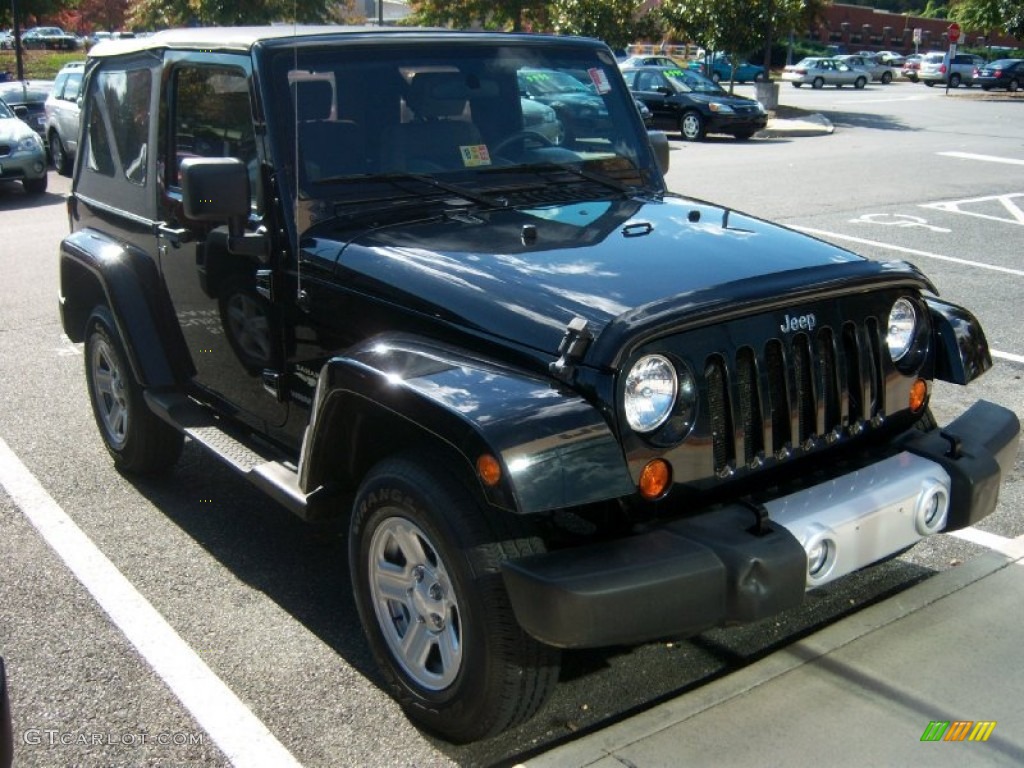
{"type": "Point", "coordinates": [863, 517]}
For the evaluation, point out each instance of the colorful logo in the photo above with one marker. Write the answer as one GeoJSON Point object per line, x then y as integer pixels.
{"type": "Point", "coordinates": [958, 730]}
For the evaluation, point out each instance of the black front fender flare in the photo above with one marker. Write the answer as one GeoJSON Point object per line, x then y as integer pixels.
{"type": "Point", "coordinates": [554, 447]}
{"type": "Point", "coordinates": [961, 349]}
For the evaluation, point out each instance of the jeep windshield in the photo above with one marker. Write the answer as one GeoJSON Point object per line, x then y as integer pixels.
{"type": "Point", "coordinates": [347, 120]}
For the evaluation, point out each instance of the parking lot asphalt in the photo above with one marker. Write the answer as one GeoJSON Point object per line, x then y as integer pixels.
{"type": "Point", "coordinates": [928, 677]}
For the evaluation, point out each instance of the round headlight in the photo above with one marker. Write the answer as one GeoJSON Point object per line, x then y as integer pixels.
{"type": "Point", "coordinates": [651, 388]}
{"type": "Point", "coordinates": [901, 330]}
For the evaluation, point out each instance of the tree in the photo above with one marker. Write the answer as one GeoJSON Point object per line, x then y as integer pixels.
{"type": "Point", "coordinates": [487, 14]}
{"type": "Point", "coordinates": [989, 15]}
{"type": "Point", "coordinates": [161, 14]}
{"type": "Point", "coordinates": [617, 22]}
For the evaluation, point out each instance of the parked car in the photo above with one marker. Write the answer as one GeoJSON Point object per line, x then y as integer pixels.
{"type": "Point", "coordinates": [6, 40]}
{"type": "Point", "coordinates": [938, 68]}
{"type": "Point", "coordinates": [62, 116]}
{"type": "Point", "coordinates": [685, 101]}
{"type": "Point", "coordinates": [543, 120]}
{"type": "Point", "coordinates": [50, 38]}
{"type": "Point", "coordinates": [1002, 73]}
{"type": "Point", "coordinates": [22, 154]}
{"type": "Point", "coordinates": [579, 107]}
{"type": "Point", "coordinates": [638, 60]}
{"type": "Point", "coordinates": [819, 72]}
{"type": "Point", "coordinates": [912, 65]}
{"type": "Point", "coordinates": [721, 69]}
{"type": "Point", "coordinates": [879, 71]}
{"type": "Point", "coordinates": [31, 95]}
{"type": "Point", "coordinates": [552, 403]}
{"type": "Point", "coordinates": [894, 59]}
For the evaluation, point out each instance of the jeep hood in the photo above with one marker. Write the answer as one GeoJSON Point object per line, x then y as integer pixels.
{"type": "Point", "coordinates": [522, 274]}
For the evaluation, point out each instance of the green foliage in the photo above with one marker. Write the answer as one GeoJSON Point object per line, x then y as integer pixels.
{"type": "Point", "coordinates": [617, 22]}
{"type": "Point", "coordinates": [991, 15]}
{"type": "Point", "coordinates": [934, 10]}
{"type": "Point", "coordinates": [161, 14]}
{"type": "Point", "coordinates": [486, 14]}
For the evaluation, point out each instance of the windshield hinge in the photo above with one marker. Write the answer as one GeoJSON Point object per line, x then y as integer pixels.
{"type": "Point", "coordinates": [571, 350]}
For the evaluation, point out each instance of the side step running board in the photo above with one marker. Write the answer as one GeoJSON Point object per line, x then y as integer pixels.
{"type": "Point", "coordinates": [256, 463]}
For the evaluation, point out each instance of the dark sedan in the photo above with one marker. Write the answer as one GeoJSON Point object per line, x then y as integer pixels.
{"type": "Point", "coordinates": [686, 101]}
{"type": "Point", "coordinates": [1004, 73]}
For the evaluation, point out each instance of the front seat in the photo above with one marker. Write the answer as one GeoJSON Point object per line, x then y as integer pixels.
{"type": "Point", "coordinates": [442, 135]}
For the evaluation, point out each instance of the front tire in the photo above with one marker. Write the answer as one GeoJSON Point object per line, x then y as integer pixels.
{"type": "Point", "coordinates": [818, 84]}
{"type": "Point", "coordinates": [425, 560]}
{"type": "Point", "coordinates": [886, 78]}
{"type": "Point", "coordinates": [35, 186]}
{"type": "Point", "coordinates": [692, 127]}
{"type": "Point", "coordinates": [860, 82]}
{"type": "Point", "coordinates": [135, 437]}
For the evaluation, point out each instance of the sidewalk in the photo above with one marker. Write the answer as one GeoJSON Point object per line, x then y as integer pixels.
{"type": "Point", "coordinates": [861, 692]}
{"type": "Point", "coordinates": [811, 124]}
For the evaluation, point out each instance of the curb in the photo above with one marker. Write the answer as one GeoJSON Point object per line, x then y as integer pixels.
{"type": "Point", "coordinates": [602, 745]}
{"type": "Point", "coordinates": [811, 125]}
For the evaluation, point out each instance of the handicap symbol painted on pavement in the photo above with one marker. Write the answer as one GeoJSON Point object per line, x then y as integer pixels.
{"type": "Point", "coordinates": [897, 220]}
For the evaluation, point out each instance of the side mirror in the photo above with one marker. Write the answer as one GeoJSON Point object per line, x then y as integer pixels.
{"type": "Point", "coordinates": [216, 190]}
{"type": "Point", "coordinates": [659, 143]}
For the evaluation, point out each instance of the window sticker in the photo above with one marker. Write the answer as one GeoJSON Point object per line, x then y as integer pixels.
{"type": "Point", "coordinates": [475, 155]}
{"type": "Point", "coordinates": [600, 80]}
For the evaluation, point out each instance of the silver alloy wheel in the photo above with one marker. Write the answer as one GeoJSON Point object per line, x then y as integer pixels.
{"type": "Point", "coordinates": [416, 606]}
{"type": "Point", "coordinates": [691, 126]}
{"type": "Point", "coordinates": [249, 326]}
{"type": "Point", "coordinates": [111, 396]}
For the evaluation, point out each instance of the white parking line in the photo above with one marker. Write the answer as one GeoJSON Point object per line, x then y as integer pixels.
{"type": "Point", "coordinates": [1007, 356]}
{"type": "Point", "coordinates": [1013, 548]}
{"type": "Point", "coordinates": [983, 158]}
{"type": "Point", "coordinates": [243, 738]}
{"type": "Point", "coordinates": [912, 251]}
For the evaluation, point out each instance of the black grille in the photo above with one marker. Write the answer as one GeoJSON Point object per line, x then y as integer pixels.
{"type": "Point", "coordinates": [795, 393]}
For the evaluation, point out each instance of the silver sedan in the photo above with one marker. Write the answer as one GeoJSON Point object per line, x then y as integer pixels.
{"type": "Point", "coordinates": [819, 72]}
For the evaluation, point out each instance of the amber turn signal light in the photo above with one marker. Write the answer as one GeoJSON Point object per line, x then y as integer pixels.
{"type": "Point", "coordinates": [489, 470]}
{"type": "Point", "coordinates": [918, 394]}
{"type": "Point", "coordinates": [655, 479]}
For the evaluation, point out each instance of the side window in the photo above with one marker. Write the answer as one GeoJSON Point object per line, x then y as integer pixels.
{"type": "Point", "coordinates": [119, 123]}
{"type": "Point", "coordinates": [212, 118]}
{"type": "Point", "coordinates": [72, 87]}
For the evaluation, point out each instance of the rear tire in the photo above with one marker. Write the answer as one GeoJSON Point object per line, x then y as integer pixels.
{"type": "Point", "coordinates": [135, 437]}
{"type": "Point", "coordinates": [954, 81]}
{"type": "Point", "coordinates": [425, 560]}
{"type": "Point", "coordinates": [1013, 87]}
{"type": "Point", "coordinates": [61, 161]}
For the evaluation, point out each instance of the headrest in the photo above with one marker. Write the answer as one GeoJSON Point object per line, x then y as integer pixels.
{"type": "Point", "coordinates": [313, 99]}
{"type": "Point", "coordinates": [437, 94]}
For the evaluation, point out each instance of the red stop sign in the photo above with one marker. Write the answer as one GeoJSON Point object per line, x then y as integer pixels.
{"type": "Point", "coordinates": [954, 32]}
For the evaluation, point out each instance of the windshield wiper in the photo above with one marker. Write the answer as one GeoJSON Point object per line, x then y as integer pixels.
{"type": "Point", "coordinates": [396, 179]}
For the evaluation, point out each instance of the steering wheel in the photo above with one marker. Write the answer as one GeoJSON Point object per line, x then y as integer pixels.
{"type": "Point", "coordinates": [523, 137]}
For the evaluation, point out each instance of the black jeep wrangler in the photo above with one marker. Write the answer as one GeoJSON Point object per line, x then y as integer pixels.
{"type": "Point", "coordinates": [559, 406]}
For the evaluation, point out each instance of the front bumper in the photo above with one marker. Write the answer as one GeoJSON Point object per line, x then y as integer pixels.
{"type": "Point", "coordinates": [723, 567]}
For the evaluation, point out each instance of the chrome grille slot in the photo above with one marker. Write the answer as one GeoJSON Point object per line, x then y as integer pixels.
{"type": "Point", "coordinates": [722, 436]}
{"type": "Point", "coordinates": [794, 393]}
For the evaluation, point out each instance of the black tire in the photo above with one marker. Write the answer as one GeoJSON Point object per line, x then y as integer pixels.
{"type": "Point", "coordinates": [954, 80]}
{"type": "Point", "coordinates": [425, 562]}
{"type": "Point", "coordinates": [797, 85]}
{"type": "Point", "coordinates": [743, 135]}
{"type": "Point", "coordinates": [59, 155]}
{"type": "Point", "coordinates": [860, 82]}
{"type": "Point", "coordinates": [818, 84]}
{"type": "Point", "coordinates": [760, 77]}
{"type": "Point", "coordinates": [35, 186]}
{"type": "Point", "coordinates": [929, 83]}
{"type": "Point", "coordinates": [886, 78]}
{"type": "Point", "coordinates": [692, 126]}
{"type": "Point", "coordinates": [135, 437]}
{"type": "Point", "coordinates": [1013, 86]}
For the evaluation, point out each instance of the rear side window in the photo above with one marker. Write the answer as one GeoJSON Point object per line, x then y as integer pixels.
{"type": "Point", "coordinates": [117, 133]}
